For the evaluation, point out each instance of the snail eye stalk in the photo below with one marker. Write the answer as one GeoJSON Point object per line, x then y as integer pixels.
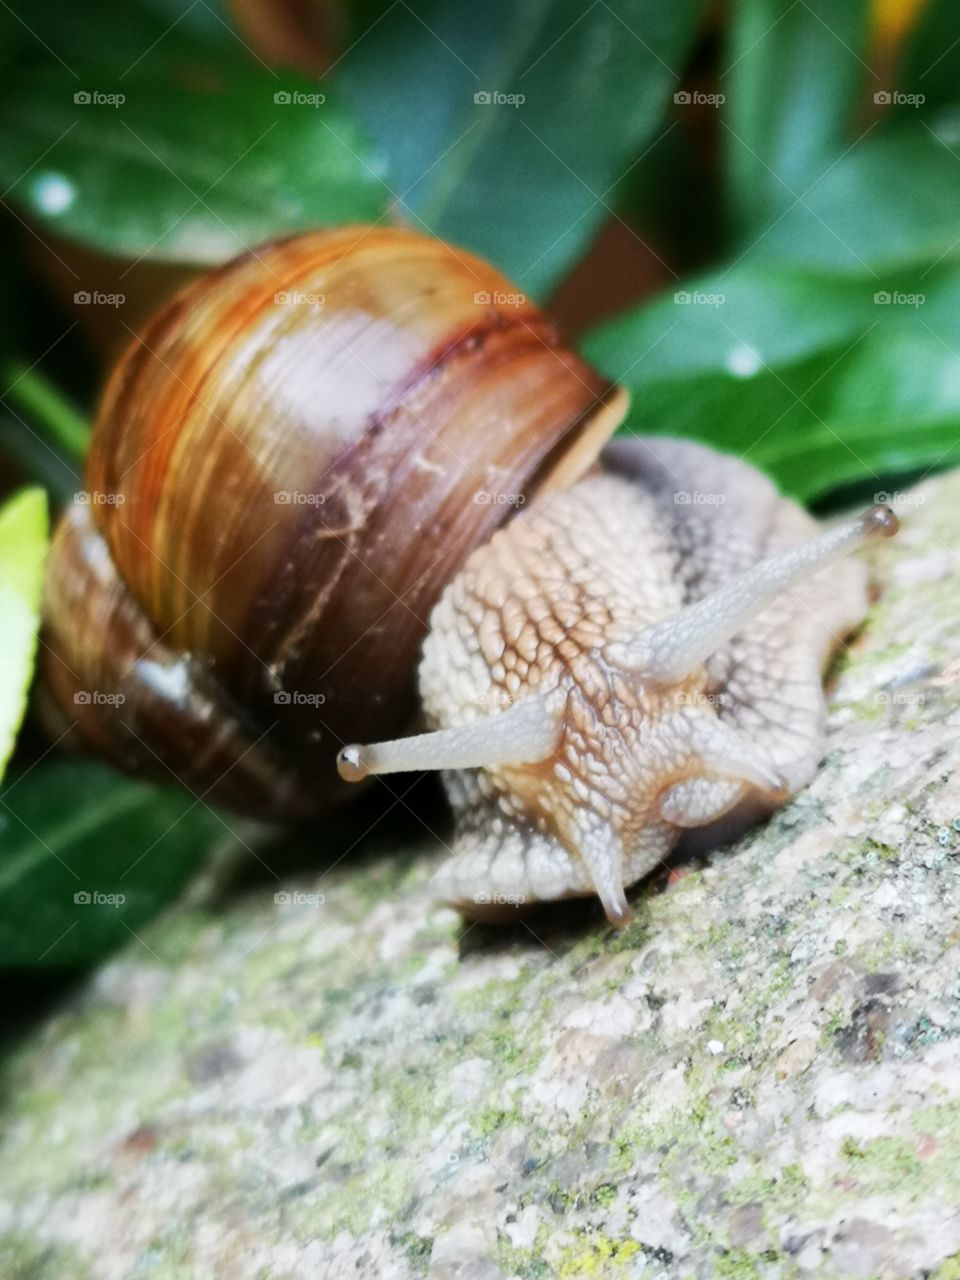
{"type": "Point", "coordinates": [523, 734]}
{"type": "Point", "coordinates": [671, 650]}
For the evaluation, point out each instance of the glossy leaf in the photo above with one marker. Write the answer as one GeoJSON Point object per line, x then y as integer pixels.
{"type": "Point", "coordinates": [86, 857]}
{"type": "Point", "coordinates": [819, 381]}
{"type": "Point", "coordinates": [527, 182]}
{"type": "Point", "coordinates": [889, 204]}
{"type": "Point", "coordinates": [187, 169]}
{"type": "Point", "coordinates": [23, 549]}
{"type": "Point", "coordinates": [791, 74]}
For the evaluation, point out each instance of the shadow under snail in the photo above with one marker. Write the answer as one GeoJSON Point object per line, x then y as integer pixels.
{"type": "Point", "coordinates": [359, 452]}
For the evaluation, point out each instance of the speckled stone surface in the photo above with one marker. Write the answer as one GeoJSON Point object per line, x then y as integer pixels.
{"type": "Point", "coordinates": [759, 1077]}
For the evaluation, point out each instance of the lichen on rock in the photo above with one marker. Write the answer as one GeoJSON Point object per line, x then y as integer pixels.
{"type": "Point", "coordinates": [759, 1077]}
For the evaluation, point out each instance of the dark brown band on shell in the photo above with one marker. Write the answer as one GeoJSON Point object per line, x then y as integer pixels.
{"type": "Point", "coordinates": [294, 458]}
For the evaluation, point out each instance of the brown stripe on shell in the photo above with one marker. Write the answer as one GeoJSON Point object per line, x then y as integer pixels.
{"type": "Point", "coordinates": [399, 402]}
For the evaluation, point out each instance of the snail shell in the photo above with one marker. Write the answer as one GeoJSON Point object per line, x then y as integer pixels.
{"type": "Point", "coordinates": [289, 464]}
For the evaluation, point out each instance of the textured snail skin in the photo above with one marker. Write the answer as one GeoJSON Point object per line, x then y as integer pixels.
{"type": "Point", "coordinates": [205, 623]}
{"type": "Point", "coordinates": [635, 762]}
{"type": "Point", "coordinates": [394, 389]}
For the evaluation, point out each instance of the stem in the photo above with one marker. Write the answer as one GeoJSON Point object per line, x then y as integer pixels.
{"type": "Point", "coordinates": [47, 406]}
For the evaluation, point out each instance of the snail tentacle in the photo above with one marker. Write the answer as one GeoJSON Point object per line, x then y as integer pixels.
{"type": "Point", "coordinates": [669, 651]}
{"type": "Point", "coordinates": [523, 734]}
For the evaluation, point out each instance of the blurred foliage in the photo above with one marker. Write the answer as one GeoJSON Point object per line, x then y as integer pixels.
{"type": "Point", "coordinates": [792, 82]}
{"type": "Point", "coordinates": [825, 346]}
{"type": "Point", "coordinates": [87, 857]}
{"type": "Point", "coordinates": [788, 173]}
{"type": "Point", "coordinates": [529, 185]}
{"type": "Point", "coordinates": [23, 548]}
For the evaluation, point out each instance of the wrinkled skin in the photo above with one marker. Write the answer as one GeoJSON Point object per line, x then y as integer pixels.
{"type": "Point", "coordinates": [635, 763]}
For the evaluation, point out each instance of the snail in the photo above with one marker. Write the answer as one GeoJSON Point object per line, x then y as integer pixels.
{"type": "Point", "coordinates": [358, 452]}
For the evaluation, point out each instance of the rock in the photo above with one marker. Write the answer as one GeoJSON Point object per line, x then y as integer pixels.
{"type": "Point", "coordinates": [759, 1077]}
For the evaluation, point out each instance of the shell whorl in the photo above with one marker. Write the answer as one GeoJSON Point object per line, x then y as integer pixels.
{"type": "Point", "coordinates": [294, 457]}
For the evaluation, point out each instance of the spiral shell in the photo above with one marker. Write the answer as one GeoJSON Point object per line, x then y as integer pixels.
{"type": "Point", "coordinates": [289, 464]}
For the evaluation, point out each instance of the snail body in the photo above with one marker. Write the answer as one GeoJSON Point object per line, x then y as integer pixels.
{"type": "Point", "coordinates": [615, 668]}
{"type": "Point", "coordinates": [604, 665]}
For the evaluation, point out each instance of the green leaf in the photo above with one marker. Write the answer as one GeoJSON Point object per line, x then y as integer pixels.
{"type": "Point", "coordinates": [34, 459]}
{"type": "Point", "coordinates": [526, 184]}
{"type": "Point", "coordinates": [86, 857]}
{"type": "Point", "coordinates": [143, 34]}
{"type": "Point", "coordinates": [931, 62]}
{"type": "Point", "coordinates": [43, 402]}
{"type": "Point", "coordinates": [23, 549]}
{"type": "Point", "coordinates": [818, 380]}
{"type": "Point", "coordinates": [889, 204]}
{"type": "Point", "coordinates": [792, 76]}
{"type": "Point", "coordinates": [182, 167]}
{"type": "Point", "coordinates": [705, 326]}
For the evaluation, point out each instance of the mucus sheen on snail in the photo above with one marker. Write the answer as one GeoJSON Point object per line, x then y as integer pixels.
{"type": "Point", "coordinates": [601, 665]}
